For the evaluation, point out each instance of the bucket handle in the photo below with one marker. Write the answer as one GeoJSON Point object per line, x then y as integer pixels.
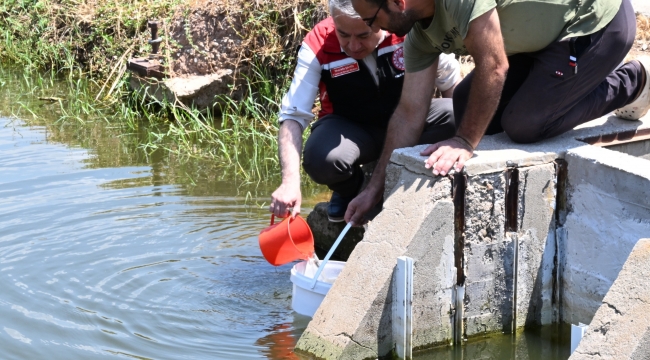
{"type": "Point", "coordinates": [329, 254]}
{"type": "Point", "coordinates": [272, 219]}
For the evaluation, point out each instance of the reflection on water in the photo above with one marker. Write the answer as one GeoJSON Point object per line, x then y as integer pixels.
{"type": "Point", "coordinates": [550, 342]}
{"type": "Point", "coordinates": [107, 251]}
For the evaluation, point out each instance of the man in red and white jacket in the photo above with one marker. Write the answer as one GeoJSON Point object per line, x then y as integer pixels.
{"type": "Point", "coordinates": [358, 74]}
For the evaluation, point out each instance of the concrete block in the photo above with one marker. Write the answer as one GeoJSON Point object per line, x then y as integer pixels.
{"type": "Point", "coordinates": [199, 91]}
{"type": "Point", "coordinates": [609, 197]}
{"type": "Point", "coordinates": [496, 152]}
{"type": "Point", "coordinates": [488, 256]}
{"type": "Point", "coordinates": [354, 320]}
{"type": "Point", "coordinates": [489, 289]}
{"type": "Point", "coordinates": [641, 6]}
{"type": "Point", "coordinates": [535, 241]}
{"type": "Point", "coordinates": [621, 327]}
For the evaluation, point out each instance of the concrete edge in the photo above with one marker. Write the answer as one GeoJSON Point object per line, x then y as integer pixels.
{"type": "Point", "coordinates": [497, 152]}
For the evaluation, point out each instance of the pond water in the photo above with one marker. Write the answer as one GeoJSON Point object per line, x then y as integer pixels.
{"type": "Point", "coordinates": [550, 342]}
{"type": "Point", "coordinates": [107, 251]}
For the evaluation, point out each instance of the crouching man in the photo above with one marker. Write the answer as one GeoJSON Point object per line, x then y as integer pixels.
{"type": "Point", "coordinates": [358, 73]}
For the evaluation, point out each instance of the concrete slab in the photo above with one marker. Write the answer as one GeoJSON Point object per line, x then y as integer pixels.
{"type": "Point", "coordinates": [354, 320]}
{"type": "Point", "coordinates": [535, 246]}
{"type": "Point", "coordinates": [621, 327]}
{"type": "Point", "coordinates": [641, 6]}
{"type": "Point", "coordinates": [496, 152]}
{"type": "Point", "coordinates": [488, 257]}
{"type": "Point", "coordinates": [609, 196]}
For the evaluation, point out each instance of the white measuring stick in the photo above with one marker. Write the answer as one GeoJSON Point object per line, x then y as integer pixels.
{"type": "Point", "coordinates": [329, 254]}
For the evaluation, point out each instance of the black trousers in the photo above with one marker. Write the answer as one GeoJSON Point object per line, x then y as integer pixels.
{"type": "Point", "coordinates": [338, 146]}
{"type": "Point", "coordinates": [544, 97]}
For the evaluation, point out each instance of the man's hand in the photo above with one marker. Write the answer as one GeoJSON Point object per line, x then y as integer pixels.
{"type": "Point", "coordinates": [447, 154]}
{"type": "Point", "coordinates": [285, 197]}
{"type": "Point", "coordinates": [361, 204]}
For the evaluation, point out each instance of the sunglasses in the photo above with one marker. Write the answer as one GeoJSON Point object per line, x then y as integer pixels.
{"type": "Point", "coordinates": [371, 20]}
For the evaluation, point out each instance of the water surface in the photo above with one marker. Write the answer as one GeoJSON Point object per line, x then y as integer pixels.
{"type": "Point", "coordinates": [109, 252]}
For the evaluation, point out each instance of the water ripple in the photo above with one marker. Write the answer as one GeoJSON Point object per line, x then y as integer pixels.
{"type": "Point", "coordinates": [110, 262]}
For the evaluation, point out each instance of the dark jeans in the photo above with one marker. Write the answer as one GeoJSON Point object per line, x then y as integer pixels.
{"type": "Point", "coordinates": [543, 97]}
{"type": "Point", "coordinates": [337, 146]}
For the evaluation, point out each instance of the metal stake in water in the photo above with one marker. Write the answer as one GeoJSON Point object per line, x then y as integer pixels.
{"type": "Point", "coordinates": [329, 254]}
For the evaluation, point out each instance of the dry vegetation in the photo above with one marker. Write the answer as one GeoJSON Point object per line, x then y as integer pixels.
{"type": "Point", "coordinates": [642, 43]}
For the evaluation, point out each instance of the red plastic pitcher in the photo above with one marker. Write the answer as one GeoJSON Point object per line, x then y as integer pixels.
{"type": "Point", "coordinates": [286, 241]}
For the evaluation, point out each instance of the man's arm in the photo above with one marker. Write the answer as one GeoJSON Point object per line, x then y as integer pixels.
{"type": "Point", "coordinates": [485, 44]}
{"type": "Point", "coordinates": [295, 115]}
{"type": "Point", "coordinates": [289, 148]}
{"type": "Point", "coordinates": [404, 129]}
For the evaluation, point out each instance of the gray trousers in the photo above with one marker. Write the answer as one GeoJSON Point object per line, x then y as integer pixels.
{"type": "Point", "coordinates": [544, 97]}
{"type": "Point", "coordinates": [337, 146]}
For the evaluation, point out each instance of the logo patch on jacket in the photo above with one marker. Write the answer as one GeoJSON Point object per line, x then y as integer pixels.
{"type": "Point", "coordinates": [344, 69]}
{"type": "Point", "coordinates": [398, 59]}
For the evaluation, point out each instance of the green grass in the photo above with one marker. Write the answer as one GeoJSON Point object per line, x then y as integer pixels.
{"type": "Point", "coordinates": [76, 51]}
{"type": "Point", "coordinates": [64, 114]}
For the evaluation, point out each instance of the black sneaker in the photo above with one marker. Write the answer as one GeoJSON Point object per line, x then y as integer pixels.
{"type": "Point", "coordinates": [337, 207]}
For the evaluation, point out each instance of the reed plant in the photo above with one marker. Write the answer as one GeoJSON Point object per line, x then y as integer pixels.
{"type": "Point", "coordinates": [85, 44]}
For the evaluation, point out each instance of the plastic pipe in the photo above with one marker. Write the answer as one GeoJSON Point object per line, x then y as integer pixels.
{"type": "Point", "coordinates": [329, 254]}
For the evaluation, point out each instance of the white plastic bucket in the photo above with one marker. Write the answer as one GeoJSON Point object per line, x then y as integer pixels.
{"type": "Point", "coordinates": [305, 301]}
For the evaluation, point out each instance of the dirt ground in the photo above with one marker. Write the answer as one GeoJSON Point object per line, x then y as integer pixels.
{"type": "Point", "coordinates": [205, 38]}
{"type": "Point", "coordinates": [209, 36]}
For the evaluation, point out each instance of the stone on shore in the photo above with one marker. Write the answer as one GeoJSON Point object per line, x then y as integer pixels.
{"type": "Point", "coordinates": [194, 91]}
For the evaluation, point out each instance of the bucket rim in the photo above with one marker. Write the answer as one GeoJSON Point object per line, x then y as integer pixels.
{"type": "Point", "coordinates": [304, 283]}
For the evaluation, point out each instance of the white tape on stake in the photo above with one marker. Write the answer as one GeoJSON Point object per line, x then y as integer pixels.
{"type": "Point", "coordinates": [459, 314]}
{"type": "Point", "coordinates": [402, 308]}
{"type": "Point", "coordinates": [577, 332]}
{"type": "Point", "coordinates": [329, 254]}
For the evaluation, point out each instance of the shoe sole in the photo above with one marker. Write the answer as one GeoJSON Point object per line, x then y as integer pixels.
{"type": "Point", "coordinates": [640, 106]}
{"type": "Point", "coordinates": [335, 219]}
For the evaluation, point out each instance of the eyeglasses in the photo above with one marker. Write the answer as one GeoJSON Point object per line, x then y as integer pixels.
{"type": "Point", "coordinates": [372, 19]}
